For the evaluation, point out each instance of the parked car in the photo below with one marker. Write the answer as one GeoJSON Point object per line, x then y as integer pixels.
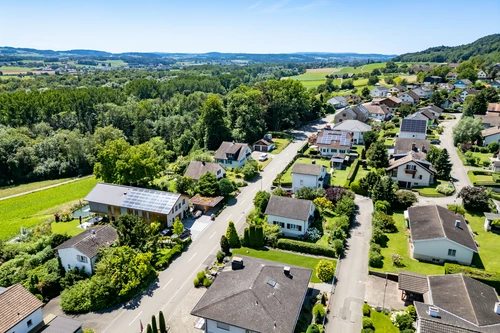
{"type": "Point", "coordinates": [263, 157]}
{"type": "Point", "coordinates": [166, 232]}
{"type": "Point", "coordinates": [185, 234]}
{"type": "Point", "coordinates": [197, 213]}
{"type": "Point", "coordinates": [435, 142]}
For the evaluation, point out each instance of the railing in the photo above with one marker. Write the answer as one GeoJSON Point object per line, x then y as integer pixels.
{"type": "Point", "coordinates": [411, 171]}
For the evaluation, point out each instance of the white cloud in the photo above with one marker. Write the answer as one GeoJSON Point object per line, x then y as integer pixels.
{"type": "Point", "coordinates": [255, 5]}
{"type": "Point", "coordinates": [277, 6]}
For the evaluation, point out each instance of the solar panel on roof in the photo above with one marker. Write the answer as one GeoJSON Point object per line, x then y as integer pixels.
{"type": "Point", "coordinates": [413, 125]}
{"type": "Point", "coordinates": [155, 201]}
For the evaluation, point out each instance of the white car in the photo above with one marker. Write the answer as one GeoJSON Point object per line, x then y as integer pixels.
{"type": "Point", "coordinates": [263, 157]}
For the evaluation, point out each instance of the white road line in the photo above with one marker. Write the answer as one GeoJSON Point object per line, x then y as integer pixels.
{"type": "Point", "coordinates": [113, 321]}
{"type": "Point", "coordinates": [194, 255]}
{"type": "Point", "coordinates": [135, 318]}
{"type": "Point", "coordinates": [241, 203]}
{"type": "Point", "coordinates": [167, 284]}
{"type": "Point", "coordinates": [229, 217]}
{"type": "Point", "coordinates": [212, 235]}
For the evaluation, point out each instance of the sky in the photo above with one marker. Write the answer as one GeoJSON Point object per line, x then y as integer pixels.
{"type": "Point", "coordinates": [246, 26]}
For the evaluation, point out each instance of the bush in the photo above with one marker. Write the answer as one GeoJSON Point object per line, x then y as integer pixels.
{"type": "Point", "coordinates": [354, 170]}
{"type": "Point", "coordinates": [318, 313]}
{"type": "Point", "coordinates": [232, 236]}
{"type": "Point", "coordinates": [366, 310]}
{"type": "Point", "coordinates": [412, 311]}
{"type": "Point", "coordinates": [367, 323]}
{"type": "Point", "coordinates": [375, 259]}
{"type": "Point", "coordinates": [378, 236]}
{"type": "Point", "coordinates": [304, 247]}
{"type": "Point", "coordinates": [220, 256]}
{"type": "Point", "coordinates": [201, 279]}
{"type": "Point", "coordinates": [383, 221]}
{"type": "Point", "coordinates": [445, 189]}
{"type": "Point", "coordinates": [357, 188]}
{"type": "Point", "coordinates": [345, 207]}
{"type": "Point", "coordinates": [338, 247]}
{"type": "Point", "coordinates": [457, 209]}
{"type": "Point", "coordinates": [367, 330]}
{"type": "Point", "coordinates": [490, 278]}
{"type": "Point", "coordinates": [382, 206]}
{"type": "Point", "coordinates": [375, 247]}
{"type": "Point", "coordinates": [313, 328]}
{"type": "Point", "coordinates": [405, 198]}
{"type": "Point", "coordinates": [325, 270]}
{"type": "Point", "coordinates": [493, 147]}
{"type": "Point", "coordinates": [404, 321]}
{"type": "Point", "coordinates": [397, 260]}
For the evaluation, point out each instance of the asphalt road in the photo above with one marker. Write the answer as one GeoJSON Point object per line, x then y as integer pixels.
{"type": "Point", "coordinates": [175, 282]}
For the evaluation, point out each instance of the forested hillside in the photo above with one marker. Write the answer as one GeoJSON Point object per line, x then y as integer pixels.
{"type": "Point", "coordinates": [488, 47]}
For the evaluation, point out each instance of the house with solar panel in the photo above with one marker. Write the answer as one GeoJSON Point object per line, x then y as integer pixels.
{"type": "Point", "coordinates": [151, 205]}
{"type": "Point", "coordinates": [331, 142]}
{"type": "Point", "coordinates": [413, 128]}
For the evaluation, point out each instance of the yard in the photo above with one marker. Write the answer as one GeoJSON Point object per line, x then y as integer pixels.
{"type": "Point", "coordinates": [16, 189]}
{"type": "Point", "coordinates": [31, 209]}
{"type": "Point", "coordinates": [430, 191]}
{"type": "Point", "coordinates": [382, 322]}
{"type": "Point", "coordinates": [69, 228]}
{"type": "Point", "coordinates": [483, 157]}
{"type": "Point", "coordinates": [488, 244]}
{"type": "Point", "coordinates": [398, 243]}
{"type": "Point", "coordinates": [339, 177]}
{"type": "Point", "coordinates": [280, 145]}
{"type": "Point", "coordinates": [284, 258]}
{"type": "Point", "coordinates": [265, 163]}
{"type": "Point", "coordinates": [287, 177]}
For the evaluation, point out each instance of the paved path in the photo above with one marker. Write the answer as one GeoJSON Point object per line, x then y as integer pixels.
{"type": "Point", "coordinates": [175, 283]}
{"type": "Point", "coordinates": [346, 307]}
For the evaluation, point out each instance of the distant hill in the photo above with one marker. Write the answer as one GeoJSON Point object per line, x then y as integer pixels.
{"type": "Point", "coordinates": [488, 47]}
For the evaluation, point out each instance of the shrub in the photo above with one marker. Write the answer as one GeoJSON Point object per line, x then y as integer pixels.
{"type": "Point", "coordinates": [207, 283]}
{"type": "Point", "coordinates": [404, 321]}
{"type": "Point", "coordinates": [445, 189]}
{"type": "Point", "coordinates": [313, 328]}
{"type": "Point", "coordinates": [354, 170]}
{"type": "Point", "coordinates": [457, 209]}
{"type": "Point", "coordinates": [367, 323]}
{"type": "Point", "coordinates": [313, 234]}
{"type": "Point", "coordinates": [366, 310]}
{"type": "Point", "coordinates": [493, 147]}
{"type": "Point", "coordinates": [325, 270]}
{"type": "Point", "coordinates": [338, 247]}
{"type": "Point", "coordinates": [412, 311]}
{"type": "Point", "coordinates": [382, 206]}
{"type": "Point", "coordinates": [367, 330]}
{"type": "Point", "coordinates": [490, 278]}
{"type": "Point", "coordinates": [378, 236]}
{"type": "Point", "coordinates": [357, 188]}
{"type": "Point", "coordinates": [220, 256]}
{"type": "Point", "coordinates": [202, 279]}
{"type": "Point", "coordinates": [299, 246]}
{"type": "Point", "coordinates": [486, 164]}
{"type": "Point", "coordinates": [375, 248]}
{"type": "Point", "coordinates": [224, 244]}
{"type": "Point", "coordinates": [405, 198]}
{"type": "Point", "coordinates": [345, 207]}
{"type": "Point", "coordinates": [323, 203]}
{"type": "Point", "coordinates": [397, 260]}
{"type": "Point", "coordinates": [383, 221]}
{"type": "Point", "coordinates": [232, 236]}
{"type": "Point", "coordinates": [318, 313]}
{"type": "Point", "coordinates": [375, 259]}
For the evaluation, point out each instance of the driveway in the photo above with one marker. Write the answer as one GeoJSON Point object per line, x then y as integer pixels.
{"type": "Point", "coordinates": [197, 225]}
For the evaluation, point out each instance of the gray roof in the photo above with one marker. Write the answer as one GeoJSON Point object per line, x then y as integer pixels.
{"type": "Point", "coordinates": [417, 116]}
{"type": "Point", "coordinates": [413, 282]}
{"type": "Point", "coordinates": [230, 148]}
{"type": "Point", "coordinates": [133, 197]}
{"type": "Point", "coordinates": [307, 169]}
{"type": "Point", "coordinates": [381, 88]}
{"type": "Point", "coordinates": [360, 110]}
{"type": "Point", "coordinates": [297, 209]}
{"type": "Point", "coordinates": [246, 298]}
{"type": "Point", "coordinates": [404, 145]}
{"type": "Point", "coordinates": [196, 169]}
{"type": "Point", "coordinates": [62, 325]}
{"type": "Point", "coordinates": [413, 125]}
{"type": "Point", "coordinates": [16, 303]}
{"type": "Point", "coordinates": [91, 241]}
{"type": "Point", "coordinates": [352, 126]}
{"type": "Point", "coordinates": [337, 100]}
{"type": "Point", "coordinates": [430, 222]}
{"type": "Point", "coordinates": [432, 107]}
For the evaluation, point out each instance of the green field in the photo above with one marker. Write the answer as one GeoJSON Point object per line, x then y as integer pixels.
{"type": "Point", "coordinates": [280, 145]}
{"type": "Point", "coordinates": [15, 68]}
{"type": "Point", "coordinates": [430, 191]}
{"type": "Point", "coordinates": [12, 190]}
{"type": "Point", "coordinates": [284, 258]}
{"type": "Point", "coordinates": [339, 177]}
{"type": "Point", "coordinates": [31, 209]}
{"type": "Point", "coordinates": [488, 244]}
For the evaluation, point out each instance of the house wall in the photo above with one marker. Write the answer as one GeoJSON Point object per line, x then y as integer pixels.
{"type": "Point", "coordinates": [290, 232]}
{"type": "Point", "coordinates": [491, 138]}
{"type": "Point", "coordinates": [438, 249]}
{"type": "Point", "coordinates": [211, 327]}
{"type": "Point", "coordinates": [357, 138]}
{"type": "Point", "coordinates": [407, 98]}
{"type": "Point", "coordinates": [69, 260]}
{"type": "Point", "coordinates": [233, 164]}
{"type": "Point", "coordinates": [299, 181]}
{"type": "Point", "coordinates": [342, 116]}
{"type": "Point", "coordinates": [412, 135]}
{"type": "Point", "coordinates": [407, 177]}
{"type": "Point", "coordinates": [326, 151]}
{"type": "Point", "coordinates": [22, 327]}
{"type": "Point", "coordinates": [377, 116]}
{"type": "Point", "coordinates": [181, 205]}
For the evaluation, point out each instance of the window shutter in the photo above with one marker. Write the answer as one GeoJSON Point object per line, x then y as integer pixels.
{"type": "Point", "coordinates": [288, 225]}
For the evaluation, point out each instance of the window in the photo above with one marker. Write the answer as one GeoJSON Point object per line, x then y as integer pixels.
{"type": "Point", "coordinates": [29, 323]}
{"type": "Point", "coordinates": [420, 177]}
{"type": "Point", "coordinates": [81, 258]}
{"type": "Point", "coordinates": [301, 182]}
{"type": "Point", "coordinates": [411, 167]}
{"type": "Point", "coordinates": [218, 172]}
{"type": "Point", "coordinates": [183, 201]}
{"type": "Point", "coordinates": [394, 172]}
{"type": "Point", "coordinates": [294, 227]}
{"type": "Point", "coordinates": [342, 151]}
{"type": "Point", "coordinates": [223, 326]}
{"type": "Point", "coordinates": [281, 224]}
{"type": "Point", "coordinates": [452, 252]}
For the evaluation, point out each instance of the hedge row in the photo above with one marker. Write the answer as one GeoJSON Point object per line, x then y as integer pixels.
{"type": "Point", "coordinates": [167, 259]}
{"type": "Point", "coordinates": [352, 173]}
{"type": "Point", "coordinates": [473, 173]}
{"type": "Point", "coordinates": [311, 248]}
{"type": "Point", "coordinates": [490, 278]}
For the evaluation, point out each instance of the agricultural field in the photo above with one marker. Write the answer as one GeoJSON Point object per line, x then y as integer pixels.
{"type": "Point", "coordinates": [12, 190]}
{"type": "Point", "coordinates": [30, 209]}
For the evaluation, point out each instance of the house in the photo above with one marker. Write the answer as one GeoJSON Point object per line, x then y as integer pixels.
{"type": "Point", "coordinates": [254, 295]}
{"type": "Point", "coordinates": [491, 134]}
{"type": "Point", "coordinates": [409, 97]}
{"type": "Point", "coordinates": [357, 112]}
{"type": "Point", "coordinates": [378, 111]}
{"type": "Point", "coordinates": [462, 84]}
{"type": "Point", "coordinates": [233, 155]}
{"type": "Point", "coordinates": [330, 142]}
{"type": "Point", "coordinates": [293, 216]}
{"type": "Point", "coordinates": [264, 145]}
{"type": "Point", "coordinates": [448, 104]}
{"type": "Point", "coordinates": [457, 303]}
{"type": "Point", "coordinates": [308, 175]}
{"type": "Point", "coordinates": [205, 203]}
{"type": "Point", "coordinates": [196, 169]}
{"type": "Point", "coordinates": [446, 86]}
{"type": "Point", "coordinates": [429, 115]}
{"type": "Point", "coordinates": [467, 92]}
{"type": "Point", "coordinates": [430, 80]}
{"type": "Point", "coordinates": [494, 109]}
{"type": "Point", "coordinates": [495, 84]}
{"type": "Point", "coordinates": [435, 110]}
{"type": "Point", "coordinates": [337, 102]}
{"type": "Point", "coordinates": [411, 170]}
{"type": "Point", "coordinates": [20, 310]}
{"type": "Point", "coordinates": [355, 127]}
{"type": "Point", "coordinates": [482, 75]}
{"type": "Point", "coordinates": [423, 92]}
{"type": "Point", "coordinates": [439, 234]}
{"type": "Point", "coordinates": [151, 205]}
{"type": "Point", "coordinates": [362, 114]}
{"type": "Point", "coordinates": [82, 250]}
{"type": "Point", "coordinates": [453, 65]}
{"type": "Point", "coordinates": [413, 128]}
{"type": "Point", "coordinates": [402, 146]}
{"type": "Point", "coordinates": [397, 89]}
{"type": "Point", "coordinates": [452, 76]}
{"type": "Point", "coordinates": [489, 120]}
{"type": "Point", "coordinates": [379, 91]}
{"type": "Point", "coordinates": [391, 102]}
{"type": "Point", "coordinates": [356, 99]}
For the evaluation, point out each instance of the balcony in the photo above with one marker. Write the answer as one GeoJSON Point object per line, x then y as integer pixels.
{"type": "Point", "coordinates": [411, 171]}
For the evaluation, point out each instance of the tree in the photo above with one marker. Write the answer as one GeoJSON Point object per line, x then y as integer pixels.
{"type": "Point", "coordinates": [232, 236]}
{"type": "Point", "coordinates": [334, 194]}
{"type": "Point", "coordinates": [384, 189]}
{"type": "Point", "coordinates": [373, 80]}
{"type": "Point", "coordinates": [490, 94]}
{"type": "Point", "coordinates": [245, 112]}
{"type": "Point", "coordinates": [467, 130]}
{"type": "Point", "coordinates": [405, 198]}
{"type": "Point", "coordinates": [313, 328]}
{"type": "Point", "coordinates": [476, 105]}
{"type": "Point", "coordinates": [345, 207]}
{"type": "Point", "coordinates": [224, 245]}
{"type": "Point", "coordinates": [377, 155]}
{"type": "Point", "coordinates": [475, 198]}
{"type": "Point", "coordinates": [250, 169]}
{"type": "Point", "coordinates": [279, 192]}
{"type": "Point", "coordinates": [135, 233]}
{"type": "Point", "coordinates": [212, 122]}
{"type": "Point", "coordinates": [207, 185]}
{"type": "Point", "coordinates": [443, 165]}
{"type": "Point", "coordinates": [309, 194]}
{"type": "Point", "coordinates": [369, 137]}
{"type": "Point", "coordinates": [323, 203]}
{"type": "Point", "coordinates": [184, 185]}
{"type": "Point", "coordinates": [433, 154]}
{"type": "Point", "coordinates": [436, 98]}
{"type": "Point", "coordinates": [406, 109]}
{"type": "Point", "coordinates": [493, 147]}
{"type": "Point", "coordinates": [365, 92]}
{"type": "Point", "coordinates": [261, 200]}
{"type": "Point", "coordinates": [149, 329]}
{"type": "Point", "coordinates": [226, 187]}
{"type": "Point", "coordinates": [177, 227]}
{"type": "Point", "coordinates": [368, 181]}
{"type": "Point", "coordinates": [161, 319]}
{"type": "Point", "coordinates": [325, 270]}
{"type": "Point", "coordinates": [468, 73]}
{"type": "Point", "coordinates": [153, 324]}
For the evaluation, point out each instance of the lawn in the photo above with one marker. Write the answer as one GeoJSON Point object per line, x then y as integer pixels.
{"type": "Point", "coordinates": [488, 244]}
{"type": "Point", "coordinates": [31, 209]}
{"type": "Point", "coordinates": [16, 189]}
{"type": "Point", "coordinates": [284, 258]}
{"type": "Point", "coordinates": [389, 142]}
{"type": "Point", "coordinates": [382, 322]}
{"type": "Point", "coordinates": [430, 191]}
{"type": "Point", "coordinates": [69, 228]}
{"type": "Point", "coordinates": [287, 177]}
{"type": "Point", "coordinates": [398, 243]}
{"type": "Point", "coordinates": [339, 177]}
{"type": "Point", "coordinates": [265, 163]}
{"type": "Point", "coordinates": [280, 145]}
{"type": "Point", "coordinates": [482, 156]}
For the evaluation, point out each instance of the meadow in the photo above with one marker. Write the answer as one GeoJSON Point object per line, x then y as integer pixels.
{"type": "Point", "coordinates": [31, 209]}
{"type": "Point", "coordinates": [12, 190]}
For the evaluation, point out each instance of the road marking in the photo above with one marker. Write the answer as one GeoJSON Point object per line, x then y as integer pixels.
{"type": "Point", "coordinates": [194, 255]}
{"type": "Point", "coordinates": [135, 318]}
{"type": "Point", "coordinates": [229, 217]}
{"type": "Point", "coordinates": [167, 284]}
{"type": "Point", "coordinates": [212, 235]}
{"type": "Point", "coordinates": [113, 321]}
{"type": "Point", "coordinates": [243, 201]}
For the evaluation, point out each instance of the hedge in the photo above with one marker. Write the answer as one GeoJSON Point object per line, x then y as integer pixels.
{"type": "Point", "coordinates": [490, 278]}
{"type": "Point", "coordinates": [311, 248]}
{"type": "Point", "coordinates": [352, 173]}
{"type": "Point", "coordinates": [473, 173]}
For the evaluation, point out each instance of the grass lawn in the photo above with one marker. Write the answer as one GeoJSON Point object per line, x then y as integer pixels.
{"type": "Point", "coordinates": [287, 177]}
{"type": "Point", "coordinates": [382, 322]}
{"type": "Point", "coordinates": [16, 189]}
{"type": "Point", "coordinates": [430, 191]}
{"type": "Point", "coordinates": [284, 258]}
{"type": "Point", "coordinates": [389, 142]}
{"type": "Point", "coordinates": [398, 243]}
{"type": "Point", "coordinates": [31, 209]}
{"type": "Point", "coordinates": [280, 145]}
{"type": "Point", "coordinates": [339, 177]}
{"type": "Point", "coordinates": [482, 157]}
{"type": "Point", "coordinates": [488, 244]}
{"type": "Point", "coordinates": [265, 163]}
{"type": "Point", "coordinates": [69, 228]}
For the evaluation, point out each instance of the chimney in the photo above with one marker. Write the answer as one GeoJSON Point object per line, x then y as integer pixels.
{"type": "Point", "coordinates": [286, 270]}
{"type": "Point", "coordinates": [457, 223]}
{"type": "Point", "coordinates": [202, 162]}
{"type": "Point", "coordinates": [497, 307]}
{"type": "Point", "coordinates": [413, 146]}
{"type": "Point", "coordinates": [237, 263]}
{"type": "Point", "coordinates": [433, 312]}
{"type": "Point", "coordinates": [313, 161]}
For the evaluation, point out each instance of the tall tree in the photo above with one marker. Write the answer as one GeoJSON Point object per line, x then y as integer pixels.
{"type": "Point", "coordinates": [207, 185]}
{"type": "Point", "coordinates": [436, 98]}
{"type": "Point", "coordinates": [369, 137]}
{"type": "Point", "coordinates": [212, 122]}
{"type": "Point", "coordinates": [467, 130]}
{"type": "Point", "coordinates": [377, 155]}
{"type": "Point", "coordinates": [135, 233]}
{"type": "Point", "coordinates": [161, 319]}
{"type": "Point", "coordinates": [232, 236]}
{"type": "Point", "coordinates": [443, 165]}
{"type": "Point", "coordinates": [261, 200]}
{"type": "Point", "coordinates": [476, 105]}
{"type": "Point", "coordinates": [433, 154]}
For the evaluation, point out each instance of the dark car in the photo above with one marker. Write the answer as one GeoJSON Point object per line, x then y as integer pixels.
{"type": "Point", "coordinates": [435, 142]}
{"type": "Point", "coordinates": [166, 232]}
{"type": "Point", "coordinates": [185, 234]}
